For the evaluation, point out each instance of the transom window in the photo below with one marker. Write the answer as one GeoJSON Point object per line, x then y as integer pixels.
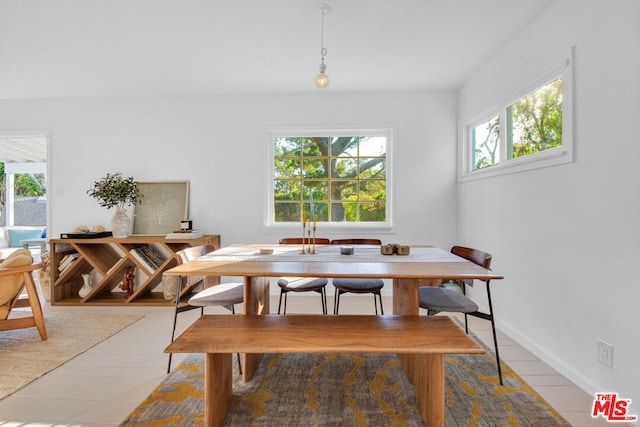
{"type": "Point", "coordinates": [332, 178]}
{"type": "Point", "coordinates": [532, 130]}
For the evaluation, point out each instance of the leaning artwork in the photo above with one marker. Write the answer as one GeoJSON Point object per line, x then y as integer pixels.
{"type": "Point", "coordinates": [164, 205]}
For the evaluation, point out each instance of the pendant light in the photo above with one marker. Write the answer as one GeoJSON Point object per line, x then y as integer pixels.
{"type": "Point", "coordinates": [322, 80]}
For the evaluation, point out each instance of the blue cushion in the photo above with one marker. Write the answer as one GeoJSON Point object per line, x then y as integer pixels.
{"type": "Point", "coordinates": [18, 234]}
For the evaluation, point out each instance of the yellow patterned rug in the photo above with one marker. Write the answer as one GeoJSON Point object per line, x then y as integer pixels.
{"type": "Point", "coordinates": [347, 390]}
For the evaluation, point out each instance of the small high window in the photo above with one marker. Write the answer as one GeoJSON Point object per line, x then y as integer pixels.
{"type": "Point", "coordinates": [534, 122]}
{"type": "Point", "coordinates": [530, 130]}
{"type": "Point", "coordinates": [484, 142]}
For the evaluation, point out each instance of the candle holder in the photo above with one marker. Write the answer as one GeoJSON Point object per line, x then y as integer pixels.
{"type": "Point", "coordinates": [304, 229]}
{"type": "Point", "coordinates": [309, 240]}
{"type": "Point", "coordinates": [313, 248]}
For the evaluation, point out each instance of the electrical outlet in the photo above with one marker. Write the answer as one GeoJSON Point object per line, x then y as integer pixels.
{"type": "Point", "coordinates": [605, 353]}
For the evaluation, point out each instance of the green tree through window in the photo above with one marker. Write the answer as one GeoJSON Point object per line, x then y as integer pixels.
{"type": "Point", "coordinates": [532, 124]}
{"type": "Point", "coordinates": [535, 121]}
{"type": "Point", "coordinates": [25, 184]}
{"type": "Point", "coordinates": [335, 178]}
{"type": "Point", "coordinates": [485, 140]}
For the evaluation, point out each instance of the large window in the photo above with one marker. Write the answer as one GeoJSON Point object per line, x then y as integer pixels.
{"type": "Point", "coordinates": [531, 130]}
{"type": "Point", "coordinates": [333, 177]}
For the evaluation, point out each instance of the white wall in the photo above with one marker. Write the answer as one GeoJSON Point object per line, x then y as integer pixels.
{"type": "Point", "coordinates": [566, 237]}
{"type": "Point", "coordinates": [221, 146]}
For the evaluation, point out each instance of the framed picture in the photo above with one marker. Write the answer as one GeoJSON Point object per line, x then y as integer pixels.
{"type": "Point", "coordinates": [164, 204]}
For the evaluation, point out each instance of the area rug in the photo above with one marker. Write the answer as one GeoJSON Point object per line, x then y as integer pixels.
{"type": "Point", "coordinates": [24, 357]}
{"type": "Point", "coordinates": [347, 390]}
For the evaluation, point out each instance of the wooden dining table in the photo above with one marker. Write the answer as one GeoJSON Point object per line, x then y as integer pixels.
{"type": "Point", "coordinates": [257, 263]}
{"type": "Point", "coordinates": [424, 266]}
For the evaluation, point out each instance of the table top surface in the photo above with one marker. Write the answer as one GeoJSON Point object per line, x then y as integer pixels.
{"type": "Point", "coordinates": [324, 334]}
{"type": "Point", "coordinates": [286, 260]}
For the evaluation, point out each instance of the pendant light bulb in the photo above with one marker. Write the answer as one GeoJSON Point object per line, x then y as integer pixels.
{"type": "Point", "coordinates": [322, 80]}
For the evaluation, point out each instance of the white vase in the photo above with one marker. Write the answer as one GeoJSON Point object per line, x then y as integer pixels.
{"type": "Point", "coordinates": [86, 287]}
{"type": "Point", "coordinates": [120, 224]}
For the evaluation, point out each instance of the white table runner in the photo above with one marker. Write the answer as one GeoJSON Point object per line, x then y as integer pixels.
{"type": "Point", "coordinates": [326, 253]}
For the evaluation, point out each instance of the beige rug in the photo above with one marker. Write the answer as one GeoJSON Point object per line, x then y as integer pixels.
{"type": "Point", "coordinates": [24, 357]}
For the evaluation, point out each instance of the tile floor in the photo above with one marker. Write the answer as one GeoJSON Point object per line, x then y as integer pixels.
{"type": "Point", "coordinates": [101, 386]}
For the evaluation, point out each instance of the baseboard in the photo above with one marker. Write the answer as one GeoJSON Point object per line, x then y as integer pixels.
{"type": "Point", "coordinates": [543, 354]}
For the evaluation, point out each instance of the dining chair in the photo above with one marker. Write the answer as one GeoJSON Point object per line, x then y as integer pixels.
{"type": "Point", "coordinates": [357, 286]}
{"type": "Point", "coordinates": [225, 294]}
{"type": "Point", "coordinates": [302, 284]}
{"type": "Point", "coordinates": [439, 299]}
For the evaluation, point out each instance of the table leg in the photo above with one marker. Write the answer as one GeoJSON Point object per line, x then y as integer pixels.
{"type": "Point", "coordinates": [218, 391]}
{"type": "Point", "coordinates": [256, 295]}
{"type": "Point", "coordinates": [405, 294]}
{"type": "Point", "coordinates": [256, 301]}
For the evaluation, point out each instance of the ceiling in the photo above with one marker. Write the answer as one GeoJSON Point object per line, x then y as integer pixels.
{"type": "Point", "coordinates": [75, 48]}
{"type": "Point", "coordinates": [23, 149]}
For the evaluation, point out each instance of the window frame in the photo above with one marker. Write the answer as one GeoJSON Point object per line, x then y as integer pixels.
{"type": "Point", "coordinates": [333, 131]}
{"type": "Point", "coordinates": [506, 165]}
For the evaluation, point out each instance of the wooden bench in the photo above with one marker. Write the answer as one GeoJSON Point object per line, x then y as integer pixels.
{"type": "Point", "coordinates": [427, 339]}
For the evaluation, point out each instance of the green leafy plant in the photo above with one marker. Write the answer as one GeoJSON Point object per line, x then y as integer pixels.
{"type": "Point", "coordinates": [116, 190]}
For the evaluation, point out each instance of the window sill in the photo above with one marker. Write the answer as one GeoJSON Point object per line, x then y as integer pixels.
{"type": "Point", "coordinates": [294, 228]}
{"type": "Point", "coordinates": [552, 157]}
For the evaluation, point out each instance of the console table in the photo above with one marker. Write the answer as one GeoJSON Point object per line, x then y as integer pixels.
{"type": "Point", "coordinates": [108, 259]}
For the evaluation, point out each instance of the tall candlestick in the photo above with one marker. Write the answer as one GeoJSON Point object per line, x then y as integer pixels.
{"type": "Point", "coordinates": [313, 249]}
{"type": "Point", "coordinates": [313, 241]}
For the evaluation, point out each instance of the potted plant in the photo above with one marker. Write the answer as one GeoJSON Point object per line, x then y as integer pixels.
{"type": "Point", "coordinates": [119, 192]}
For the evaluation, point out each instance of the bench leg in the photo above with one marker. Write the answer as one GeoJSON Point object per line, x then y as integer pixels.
{"type": "Point", "coordinates": [429, 385]}
{"type": "Point", "coordinates": [218, 382]}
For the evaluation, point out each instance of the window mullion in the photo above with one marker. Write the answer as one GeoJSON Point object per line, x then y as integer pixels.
{"type": "Point", "coordinates": [503, 151]}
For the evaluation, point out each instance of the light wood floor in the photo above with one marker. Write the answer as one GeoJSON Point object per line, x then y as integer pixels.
{"type": "Point", "coordinates": [101, 386]}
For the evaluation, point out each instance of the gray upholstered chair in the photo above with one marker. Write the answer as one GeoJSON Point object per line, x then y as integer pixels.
{"type": "Point", "coordinates": [357, 286]}
{"type": "Point", "coordinates": [225, 294]}
{"type": "Point", "coordinates": [302, 284]}
{"type": "Point", "coordinates": [439, 299]}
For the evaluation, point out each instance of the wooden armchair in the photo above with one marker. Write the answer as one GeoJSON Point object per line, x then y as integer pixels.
{"type": "Point", "coordinates": [16, 275]}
